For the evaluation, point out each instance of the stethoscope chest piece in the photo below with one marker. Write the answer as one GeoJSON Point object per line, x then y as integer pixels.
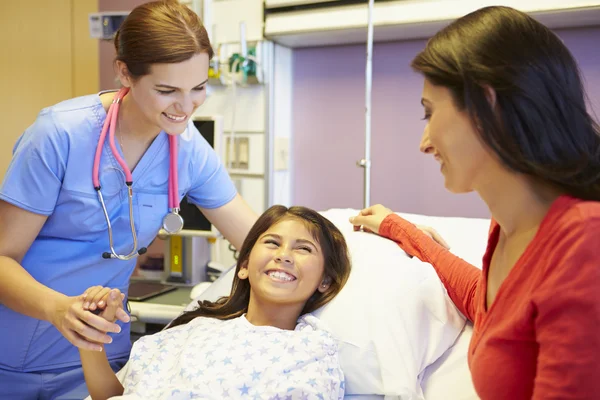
{"type": "Point", "coordinates": [173, 223]}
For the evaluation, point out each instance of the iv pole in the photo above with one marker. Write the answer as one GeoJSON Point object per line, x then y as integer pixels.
{"type": "Point", "coordinates": [365, 163]}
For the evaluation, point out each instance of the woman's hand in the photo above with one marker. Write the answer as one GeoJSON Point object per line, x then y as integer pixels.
{"type": "Point", "coordinates": [83, 328]}
{"type": "Point", "coordinates": [370, 219]}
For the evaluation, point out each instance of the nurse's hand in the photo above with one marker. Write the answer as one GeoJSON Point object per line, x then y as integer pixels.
{"type": "Point", "coordinates": [110, 303]}
{"type": "Point", "coordinates": [81, 327]}
{"type": "Point", "coordinates": [96, 298]}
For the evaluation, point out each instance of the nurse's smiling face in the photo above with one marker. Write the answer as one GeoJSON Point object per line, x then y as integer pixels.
{"type": "Point", "coordinates": [167, 97]}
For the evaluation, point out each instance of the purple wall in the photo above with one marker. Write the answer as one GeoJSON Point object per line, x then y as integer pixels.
{"type": "Point", "coordinates": [328, 125]}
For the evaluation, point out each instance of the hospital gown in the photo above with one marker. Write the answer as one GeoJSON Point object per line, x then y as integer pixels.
{"type": "Point", "coordinates": [213, 359]}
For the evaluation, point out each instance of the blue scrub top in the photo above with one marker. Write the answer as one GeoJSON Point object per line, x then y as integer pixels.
{"type": "Point", "coordinates": [51, 174]}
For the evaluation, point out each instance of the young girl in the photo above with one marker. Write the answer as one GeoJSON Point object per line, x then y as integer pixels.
{"type": "Point", "coordinates": [259, 342]}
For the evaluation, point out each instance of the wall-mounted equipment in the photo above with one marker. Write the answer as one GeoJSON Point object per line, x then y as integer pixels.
{"type": "Point", "coordinates": [104, 25]}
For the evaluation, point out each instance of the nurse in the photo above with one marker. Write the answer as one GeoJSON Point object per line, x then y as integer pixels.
{"type": "Point", "coordinates": [88, 188]}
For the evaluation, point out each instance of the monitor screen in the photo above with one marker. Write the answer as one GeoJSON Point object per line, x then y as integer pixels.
{"type": "Point", "coordinates": [193, 219]}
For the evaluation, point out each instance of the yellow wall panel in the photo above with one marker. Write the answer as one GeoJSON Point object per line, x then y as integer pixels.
{"type": "Point", "coordinates": [86, 75]}
{"type": "Point", "coordinates": [46, 57]}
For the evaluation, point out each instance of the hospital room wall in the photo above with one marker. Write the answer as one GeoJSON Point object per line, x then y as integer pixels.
{"type": "Point", "coordinates": [328, 128]}
{"type": "Point", "coordinates": [48, 57]}
{"type": "Point", "coordinates": [106, 47]}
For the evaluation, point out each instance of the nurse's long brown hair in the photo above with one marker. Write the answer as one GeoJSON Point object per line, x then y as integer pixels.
{"type": "Point", "coordinates": [335, 255]}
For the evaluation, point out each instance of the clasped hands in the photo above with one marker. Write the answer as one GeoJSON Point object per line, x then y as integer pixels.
{"type": "Point", "coordinates": [86, 320]}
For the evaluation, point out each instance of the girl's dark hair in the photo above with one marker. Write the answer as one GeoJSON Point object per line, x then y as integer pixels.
{"type": "Point", "coordinates": [335, 255]}
{"type": "Point", "coordinates": [160, 32]}
{"type": "Point", "coordinates": [539, 125]}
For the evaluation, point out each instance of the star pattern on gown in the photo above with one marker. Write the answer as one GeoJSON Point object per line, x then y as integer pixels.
{"type": "Point", "coordinates": [234, 359]}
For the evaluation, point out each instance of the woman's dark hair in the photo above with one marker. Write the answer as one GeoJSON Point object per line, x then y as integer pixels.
{"type": "Point", "coordinates": [539, 125]}
{"type": "Point", "coordinates": [160, 32]}
{"type": "Point", "coordinates": [335, 256]}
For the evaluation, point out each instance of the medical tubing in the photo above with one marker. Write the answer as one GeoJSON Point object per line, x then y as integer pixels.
{"type": "Point", "coordinates": [173, 185]}
{"type": "Point", "coordinates": [170, 174]}
{"type": "Point", "coordinates": [111, 135]}
{"type": "Point", "coordinates": [133, 233]}
{"type": "Point", "coordinates": [110, 238]}
{"type": "Point", "coordinates": [109, 125]}
{"type": "Point", "coordinates": [175, 178]}
{"type": "Point", "coordinates": [171, 202]}
{"type": "Point", "coordinates": [132, 223]}
{"type": "Point", "coordinates": [96, 167]}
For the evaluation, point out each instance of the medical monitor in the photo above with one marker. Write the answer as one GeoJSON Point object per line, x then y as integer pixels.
{"type": "Point", "coordinates": [211, 128]}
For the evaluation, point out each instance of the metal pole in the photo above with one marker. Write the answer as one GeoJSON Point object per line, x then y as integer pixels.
{"type": "Point", "coordinates": [366, 162]}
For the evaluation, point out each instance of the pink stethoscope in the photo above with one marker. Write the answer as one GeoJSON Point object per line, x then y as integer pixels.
{"type": "Point", "coordinates": [173, 222]}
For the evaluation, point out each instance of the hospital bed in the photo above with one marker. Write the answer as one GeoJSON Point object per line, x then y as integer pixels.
{"type": "Point", "coordinates": [417, 345]}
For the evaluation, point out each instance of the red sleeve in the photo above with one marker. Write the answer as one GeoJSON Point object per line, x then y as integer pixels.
{"type": "Point", "coordinates": [568, 318]}
{"type": "Point", "coordinates": [458, 276]}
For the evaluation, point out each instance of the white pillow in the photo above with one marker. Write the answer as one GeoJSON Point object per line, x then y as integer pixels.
{"type": "Point", "coordinates": [393, 317]}
{"type": "Point", "coordinates": [467, 237]}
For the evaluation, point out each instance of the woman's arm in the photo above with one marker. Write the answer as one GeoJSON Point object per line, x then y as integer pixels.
{"type": "Point", "coordinates": [233, 220]}
{"type": "Point", "coordinates": [458, 276]}
{"type": "Point", "coordinates": [20, 292]}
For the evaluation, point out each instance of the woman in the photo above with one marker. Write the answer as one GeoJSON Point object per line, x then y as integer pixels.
{"type": "Point", "coordinates": [506, 117]}
{"type": "Point", "coordinates": [257, 342]}
{"type": "Point", "coordinates": [54, 232]}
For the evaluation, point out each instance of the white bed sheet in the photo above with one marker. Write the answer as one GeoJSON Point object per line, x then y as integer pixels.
{"type": "Point", "coordinates": [449, 376]}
